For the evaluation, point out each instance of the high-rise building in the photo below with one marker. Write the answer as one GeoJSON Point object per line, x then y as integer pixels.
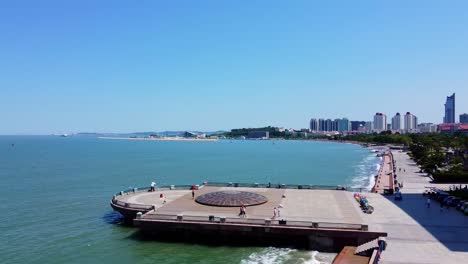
{"type": "Point", "coordinates": [464, 118]}
{"type": "Point", "coordinates": [369, 126]}
{"type": "Point", "coordinates": [380, 122]}
{"type": "Point", "coordinates": [355, 125]}
{"type": "Point", "coordinates": [427, 128]}
{"type": "Point", "coordinates": [411, 122]}
{"type": "Point", "coordinates": [396, 122]}
{"type": "Point", "coordinates": [327, 125]}
{"type": "Point", "coordinates": [314, 125]}
{"type": "Point", "coordinates": [450, 109]}
{"type": "Point", "coordinates": [344, 125]}
{"type": "Point", "coordinates": [322, 124]}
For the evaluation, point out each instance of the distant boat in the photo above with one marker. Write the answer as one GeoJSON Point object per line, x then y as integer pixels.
{"type": "Point", "coordinates": [64, 135]}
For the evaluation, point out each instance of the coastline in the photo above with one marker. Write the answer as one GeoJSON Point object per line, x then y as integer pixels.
{"type": "Point", "coordinates": [161, 139]}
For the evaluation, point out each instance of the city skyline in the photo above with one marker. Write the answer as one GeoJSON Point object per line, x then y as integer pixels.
{"type": "Point", "coordinates": [212, 65]}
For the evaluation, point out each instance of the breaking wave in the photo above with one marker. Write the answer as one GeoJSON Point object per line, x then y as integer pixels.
{"type": "Point", "coordinates": [286, 255]}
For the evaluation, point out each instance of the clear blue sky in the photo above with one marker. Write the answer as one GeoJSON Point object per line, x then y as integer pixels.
{"type": "Point", "coordinates": [209, 65]}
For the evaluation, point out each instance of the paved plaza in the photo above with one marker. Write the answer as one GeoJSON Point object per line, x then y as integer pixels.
{"type": "Point", "coordinates": [301, 205]}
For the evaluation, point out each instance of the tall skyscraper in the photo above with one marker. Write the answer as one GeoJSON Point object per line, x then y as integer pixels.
{"type": "Point", "coordinates": [396, 122]}
{"type": "Point", "coordinates": [380, 122]}
{"type": "Point", "coordinates": [450, 109]}
{"type": "Point", "coordinates": [411, 122]}
{"type": "Point", "coordinates": [464, 118]}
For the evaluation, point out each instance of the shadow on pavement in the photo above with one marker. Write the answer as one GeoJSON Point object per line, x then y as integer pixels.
{"type": "Point", "coordinates": [449, 226]}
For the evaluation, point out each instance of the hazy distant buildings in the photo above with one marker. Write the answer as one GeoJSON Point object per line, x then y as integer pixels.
{"type": "Point", "coordinates": [380, 122]}
{"type": "Point", "coordinates": [314, 124]}
{"type": "Point", "coordinates": [427, 128]}
{"type": "Point", "coordinates": [328, 125]}
{"type": "Point", "coordinates": [355, 125]}
{"type": "Point", "coordinates": [464, 118]}
{"type": "Point", "coordinates": [450, 109]}
{"type": "Point", "coordinates": [344, 125]}
{"type": "Point", "coordinates": [368, 127]}
{"type": "Point", "coordinates": [396, 122]}
{"type": "Point", "coordinates": [411, 122]}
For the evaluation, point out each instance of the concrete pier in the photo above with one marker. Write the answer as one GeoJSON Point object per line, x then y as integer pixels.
{"type": "Point", "coordinates": [325, 220]}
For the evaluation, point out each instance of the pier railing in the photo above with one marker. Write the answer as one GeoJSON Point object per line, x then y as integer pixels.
{"type": "Point", "coordinates": [252, 221]}
{"type": "Point", "coordinates": [247, 185]}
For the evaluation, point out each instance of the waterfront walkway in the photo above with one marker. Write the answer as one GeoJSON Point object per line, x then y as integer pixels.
{"type": "Point", "coordinates": [384, 180]}
{"type": "Point", "coordinates": [417, 234]}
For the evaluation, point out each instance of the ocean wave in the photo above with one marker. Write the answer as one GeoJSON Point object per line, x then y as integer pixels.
{"type": "Point", "coordinates": [365, 172]}
{"type": "Point", "coordinates": [287, 255]}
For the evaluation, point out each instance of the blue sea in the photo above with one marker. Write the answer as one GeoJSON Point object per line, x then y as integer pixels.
{"type": "Point", "coordinates": [56, 191]}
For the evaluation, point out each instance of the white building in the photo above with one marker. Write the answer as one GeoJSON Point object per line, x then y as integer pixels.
{"type": "Point", "coordinates": [396, 122]}
{"type": "Point", "coordinates": [380, 122]}
{"type": "Point", "coordinates": [411, 123]}
{"type": "Point", "coordinates": [427, 128]}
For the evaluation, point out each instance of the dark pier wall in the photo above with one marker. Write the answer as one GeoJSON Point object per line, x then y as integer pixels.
{"type": "Point", "coordinates": [325, 240]}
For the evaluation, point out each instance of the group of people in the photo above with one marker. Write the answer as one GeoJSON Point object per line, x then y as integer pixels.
{"type": "Point", "coordinates": [243, 212]}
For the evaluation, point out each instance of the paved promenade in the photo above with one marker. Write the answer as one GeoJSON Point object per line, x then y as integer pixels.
{"type": "Point", "coordinates": [417, 234]}
{"type": "Point", "coordinates": [384, 180]}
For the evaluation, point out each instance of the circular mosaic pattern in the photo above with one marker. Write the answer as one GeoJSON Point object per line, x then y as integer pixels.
{"type": "Point", "coordinates": [231, 199]}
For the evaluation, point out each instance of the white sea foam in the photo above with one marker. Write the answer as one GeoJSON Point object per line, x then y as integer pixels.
{"type": "Point", "coordinates": [285, 255]}
{"type": "Point", "coordinates": [365, 172]}
{"type": "Point", "coordinates": [268, 255]}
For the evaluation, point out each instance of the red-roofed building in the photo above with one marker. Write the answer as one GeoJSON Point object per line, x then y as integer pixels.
{"type": "Point", "coordinates": [450, 128]}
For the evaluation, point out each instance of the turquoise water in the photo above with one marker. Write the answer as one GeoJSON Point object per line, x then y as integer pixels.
{"type": "Point", "coordinates": [56, 191]}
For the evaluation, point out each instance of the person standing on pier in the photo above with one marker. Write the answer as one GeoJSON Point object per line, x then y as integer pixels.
{"type": "Point", "coordinates": [152, 186]}
{"type": "Point", "coordinates": [275, 212]}
{"type": "Point", "coordinates": [193, 192]}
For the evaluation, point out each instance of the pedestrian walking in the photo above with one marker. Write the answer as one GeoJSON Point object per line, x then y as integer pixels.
{"type": "Point", "coordinates": [428, 203]}
{"type": "Point", "coordinates": [279, 212]}
{"type": "Point", "coordinates": [152, 186]}
{"type": "Point", "coordinates": [275, 212]}
{"type": "Point", "coordinates": [193, 194]}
